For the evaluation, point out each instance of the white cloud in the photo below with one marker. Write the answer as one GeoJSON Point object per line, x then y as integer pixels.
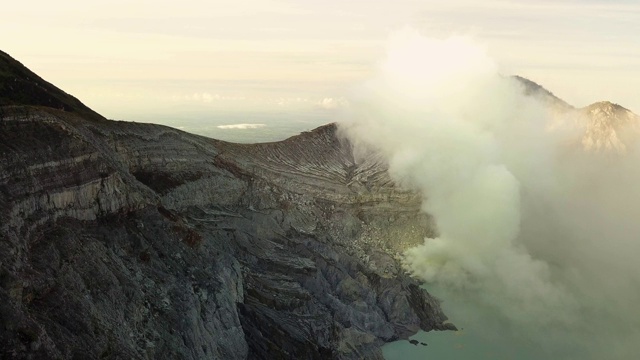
{"type": "Point", "coordinates": [241, 126]}
{"type": "Point", "coordinates": [206, 97]}
{"type": "Point", "coordinates": [287, 101]}
{"type": "Point", "coordinates": [332, 103]}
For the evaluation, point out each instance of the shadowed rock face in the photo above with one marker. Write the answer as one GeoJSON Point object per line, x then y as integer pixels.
{"type": "Point", "coordinates": [20, 86]}
{"type": "Point", "coordinates": [122, 240]}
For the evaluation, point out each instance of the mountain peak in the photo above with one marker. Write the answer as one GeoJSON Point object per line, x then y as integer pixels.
{"type": "Point", "coordinates": [608, 127]}
{"type": "Point", "coordinates": [20, 86]}
{"type": "Point", "coordinates": [606, 107]}
{"type": "Point", "coordinates": [611, 113]}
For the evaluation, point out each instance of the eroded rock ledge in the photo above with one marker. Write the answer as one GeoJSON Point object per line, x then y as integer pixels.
{"type": "Point", "coordinates": [124, 240]}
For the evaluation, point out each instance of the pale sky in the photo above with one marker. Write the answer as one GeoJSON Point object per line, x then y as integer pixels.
{"type": "Point", "coordinates": [262, 61]}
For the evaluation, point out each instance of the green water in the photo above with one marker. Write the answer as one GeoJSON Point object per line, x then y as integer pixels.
{"type": "Point", "coordinates": [483, 334]}
{"type": "Point", "coordinates": [451, 345]}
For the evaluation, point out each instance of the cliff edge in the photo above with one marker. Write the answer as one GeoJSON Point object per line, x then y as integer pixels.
{"type": "Point", "coordinates": [139, 241]}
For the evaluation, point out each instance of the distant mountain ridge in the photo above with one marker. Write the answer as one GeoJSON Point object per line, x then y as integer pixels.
{"type": "Point", "coordinates": [534, 89]}
{"type": "Point", "coordinates": [606, 127]}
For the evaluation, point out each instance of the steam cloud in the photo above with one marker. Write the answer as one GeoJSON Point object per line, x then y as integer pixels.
{"type": "Point", "coordinates": [529, 224]}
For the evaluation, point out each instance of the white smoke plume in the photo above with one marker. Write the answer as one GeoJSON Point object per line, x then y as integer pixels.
{"type": "Point", "coordinates": [528, 224]}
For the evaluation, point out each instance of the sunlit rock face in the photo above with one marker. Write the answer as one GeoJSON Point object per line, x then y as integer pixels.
{"type": "Point", "coordinates": [124, 240]}
{"type": "Point", "coordinates": [608, 127]}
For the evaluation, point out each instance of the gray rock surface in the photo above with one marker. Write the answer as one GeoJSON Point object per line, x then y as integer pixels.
{"type": "Point", "coordinates": [137, 241]}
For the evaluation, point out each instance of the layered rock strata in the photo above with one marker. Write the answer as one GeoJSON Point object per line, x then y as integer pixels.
{"type": "Point", "coordinates": [124, 240]}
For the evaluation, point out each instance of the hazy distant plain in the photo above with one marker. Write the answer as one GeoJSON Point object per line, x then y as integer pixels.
{"type": "Point", "coordinates": [247, 126]}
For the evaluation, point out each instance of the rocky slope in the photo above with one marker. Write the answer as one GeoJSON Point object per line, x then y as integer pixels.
{"type": "Point", "coordinates": [136, 241]}
{"type": "Point", "coordinates": [602, 127]}
{"type": "Point", "coordinates": [531, 88]}
{"type": "Point", "coordinates": [608, 127]}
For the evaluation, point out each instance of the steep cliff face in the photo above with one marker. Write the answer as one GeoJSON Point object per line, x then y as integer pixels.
{"type": "Point", "coordinates": [124, 240]}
